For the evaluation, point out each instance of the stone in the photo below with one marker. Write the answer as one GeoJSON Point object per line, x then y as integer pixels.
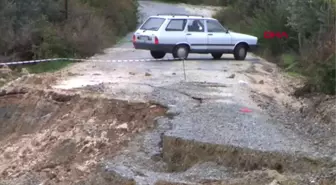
{"type": "Point", "coordinates": [24, 71]}
{"type": "Point", "coordinates": [147, 74]}
{"type": "Point", "coordinates": [231, 76]}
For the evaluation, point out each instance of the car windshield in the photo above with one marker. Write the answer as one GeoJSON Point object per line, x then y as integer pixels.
{"type": "Point", "coordinates": [152, 24]}
{"type": "Point", "coordinates": [215, 26]}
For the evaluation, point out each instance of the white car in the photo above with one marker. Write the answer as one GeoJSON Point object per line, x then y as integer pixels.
{"type": "Point", "coordinates": [184, 34]}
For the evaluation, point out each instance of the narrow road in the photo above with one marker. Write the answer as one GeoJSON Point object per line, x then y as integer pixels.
{"type": "Point", "coordinates": [207, 122]}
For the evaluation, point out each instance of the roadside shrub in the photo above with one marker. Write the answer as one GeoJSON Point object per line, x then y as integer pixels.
{"type": "Point", "coordinates": [121, 17]}
{"type": "Point", "coordinates": [52, 44]}
{"type": "Point", "coordinates": [317, 61]}
{"type": "Point", "coordinates": [203, 2]}
{"type": "Point", "coordinates": [310, 48]}
{"type": "Point", "coordinates": [20, 25]}
{"type": "Point", "coordinates": [87, 33]}
{"type": "Point", "coordinates": [39, 29]}
{"type": "Point", "coordinates": [232, 19]}
{"type": "Point", "coordinates": [247, 7]}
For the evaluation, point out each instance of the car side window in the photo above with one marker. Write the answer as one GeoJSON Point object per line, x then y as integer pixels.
{"type": "Point", "coordinates": [176, 25]}
{"type": "Point", "coordinates": [214, 26]}
{"type": "Point", "coordinates": [196, 25]}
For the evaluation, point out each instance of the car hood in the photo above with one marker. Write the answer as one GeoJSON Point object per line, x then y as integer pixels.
{"type": "Point", "coordinates": [242, 36]}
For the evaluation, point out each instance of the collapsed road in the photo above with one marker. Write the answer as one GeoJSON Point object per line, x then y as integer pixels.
{"type": "Point", "coordinates": [205, 136]}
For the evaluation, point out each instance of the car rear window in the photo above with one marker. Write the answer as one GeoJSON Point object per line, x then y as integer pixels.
{"type": "Point", "coordinates": [152, 24]}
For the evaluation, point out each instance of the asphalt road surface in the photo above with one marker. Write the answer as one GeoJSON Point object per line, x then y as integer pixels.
{"type": "Point", "coordinates": [206, 106]}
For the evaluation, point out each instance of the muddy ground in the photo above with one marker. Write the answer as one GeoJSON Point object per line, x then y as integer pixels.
{"type": "Point", "coordinates": [59, 137]}
{"type": "Point", "coordinates": [142, 123]}
{"type": "Point", "coordinates": [56, 136]}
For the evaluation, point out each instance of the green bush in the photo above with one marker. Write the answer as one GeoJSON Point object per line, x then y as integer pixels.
{"type": "Point", "coordinates": [121, 16]}
{"type": "Point", "coordinates": [310, 48]}
{"type": "Point", "coordinates": [53, 44]}
{"type": "Point", "coordinates": [40, 29]}
{"type": "Point", "coordinates": [198, 2]}
{"type": "Point", "coordinates": [232, 19]}
{"type": "Point", "coordinates": [318, 62]}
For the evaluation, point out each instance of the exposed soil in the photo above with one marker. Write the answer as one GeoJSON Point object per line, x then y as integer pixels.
{"type": "Point", "coordinates": [50, 136]}
{"type": "Point", "coordinates": [7, 74]}
{"type": "Point", "coordinates": [59, 137]}
{"type": "Point", "coordinates": [312, 116]}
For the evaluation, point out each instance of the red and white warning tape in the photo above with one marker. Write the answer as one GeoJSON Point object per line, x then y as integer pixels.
{"type": "Point", "coordinates": [83, 60]}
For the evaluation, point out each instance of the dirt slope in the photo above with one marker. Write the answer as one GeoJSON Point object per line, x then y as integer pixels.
{"type": "Point", "coordinates": [80, 125]}
{"type": "Point", "coordinates": [59, 137]}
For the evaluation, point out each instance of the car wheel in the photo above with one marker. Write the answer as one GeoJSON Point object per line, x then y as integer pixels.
{"type": "Point", "coordinates": [240, 52]}
{"type": "Point", "coordinates": [181, 52]}
{"type": "Point", "coordinates": [174, 55]}
{"type": "Point", "coordinates": [157, 54]}
{"type": "Point", "coordinates": [217, 55]}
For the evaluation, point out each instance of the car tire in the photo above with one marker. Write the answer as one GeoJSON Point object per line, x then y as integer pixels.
{"type": "Point", "coordinates": [240, 52]}
{"type": "Point", "coordinates": [217, 55]}
{"type": "Point", "coordinates": [181, 52]}
{"type": "Point", "coordinates": [157, 54]}
{"type": "Point", "coordinates": [174, 55]}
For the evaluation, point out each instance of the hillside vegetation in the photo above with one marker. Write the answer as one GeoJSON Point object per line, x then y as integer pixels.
{"type": "Point", "coordinates": [310, 48]}
{"type": "Point", "coordinates": [197, 2]}
{"type": "Point", "coordinates": [43, 28]}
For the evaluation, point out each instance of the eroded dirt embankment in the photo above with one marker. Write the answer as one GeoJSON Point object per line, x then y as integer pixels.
{"type": "Point", "coordinates": [59, 137]}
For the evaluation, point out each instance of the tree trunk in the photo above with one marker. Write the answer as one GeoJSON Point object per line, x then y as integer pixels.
{"type": "Point", "coordinates": [66, 8]}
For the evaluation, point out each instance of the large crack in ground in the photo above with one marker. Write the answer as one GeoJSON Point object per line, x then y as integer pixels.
{"type": "Point", "coordinates": [156, 158]}
{"type": "Point", "coordinates": [203, 139]}
{"type": "Point", "coordinates": [80, 137]}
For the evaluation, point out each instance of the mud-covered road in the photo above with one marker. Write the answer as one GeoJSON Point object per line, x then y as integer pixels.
{"type": "Point", "coordinates": [207, 136]}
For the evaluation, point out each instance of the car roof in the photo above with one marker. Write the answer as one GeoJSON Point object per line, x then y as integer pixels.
{"type": "Point", "coordinates": [179, 16]}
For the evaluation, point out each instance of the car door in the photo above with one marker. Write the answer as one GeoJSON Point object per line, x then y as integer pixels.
{"type": "Point", "coordinates": [196, 35]}
{"type": "Point", "coordinates": [219, 39]}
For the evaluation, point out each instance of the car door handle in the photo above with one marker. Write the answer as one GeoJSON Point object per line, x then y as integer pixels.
{"type": "Point", "coordinates": [188, 33]}
{"type": "Point", "coordinates": [210, 34]}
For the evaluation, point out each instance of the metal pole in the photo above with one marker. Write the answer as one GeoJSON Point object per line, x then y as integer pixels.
{"type": "Point", "coordinates": [185, 76]}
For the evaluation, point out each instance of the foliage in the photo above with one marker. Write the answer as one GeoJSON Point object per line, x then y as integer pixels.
{"type": "Point", "coordinates": [310, 48]}
{"type": "Point", "coordinates": [204, 2]}
{"type": "Point", "coordinates": [121, 16]}
{"type": "Point", "coordinates": [39, 28]}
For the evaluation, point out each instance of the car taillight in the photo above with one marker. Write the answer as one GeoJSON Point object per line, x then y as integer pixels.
{"type": "Point", "coordinates": [134, 38]}
{"type": "Point", "coordinates": [156, 40]}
